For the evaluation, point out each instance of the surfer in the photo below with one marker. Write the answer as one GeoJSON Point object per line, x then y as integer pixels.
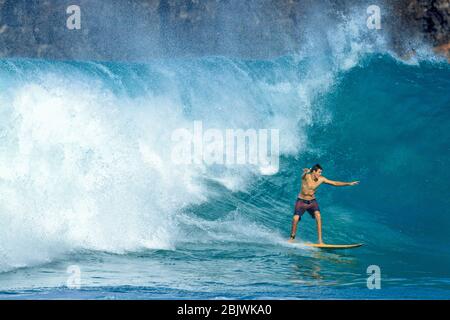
{"type": "Point", "coordinates": [306, 200]}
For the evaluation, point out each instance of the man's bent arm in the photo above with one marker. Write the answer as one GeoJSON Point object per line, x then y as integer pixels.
{"type": "Point", "coordinates": [339, 183]}
{"type": "Point", "coordinates": [305, 172]}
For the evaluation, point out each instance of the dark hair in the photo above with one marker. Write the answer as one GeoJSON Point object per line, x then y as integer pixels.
{"type": "Point", "coordinates": [316, 167]}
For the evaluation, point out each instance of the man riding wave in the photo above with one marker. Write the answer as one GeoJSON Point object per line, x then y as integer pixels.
{"type": "Point", "coordinates": [306, 200]}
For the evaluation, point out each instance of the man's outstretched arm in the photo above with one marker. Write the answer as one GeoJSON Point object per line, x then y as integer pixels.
{"type": "Point", "coordinates": [339, 183]}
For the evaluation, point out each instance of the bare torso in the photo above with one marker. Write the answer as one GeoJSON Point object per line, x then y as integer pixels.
{"type": "Point", "coordinates": [309, 186]}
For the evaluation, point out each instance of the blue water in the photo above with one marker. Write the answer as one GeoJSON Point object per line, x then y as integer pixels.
{"type": "Point", "coordinates": [86, 179]}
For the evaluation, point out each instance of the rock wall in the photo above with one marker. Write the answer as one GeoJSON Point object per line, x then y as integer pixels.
{"type": "Point", "coordinates": [142, 29]}
{"type": "Point", "coordinates": [424, 20]}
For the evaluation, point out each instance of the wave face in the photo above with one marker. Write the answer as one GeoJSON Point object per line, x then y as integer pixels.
{"type": "Point", "coordinates": [389, 130]}
{"type": "Point", "coordinates": [85, 156]}
{"type": "Point", "coordinates": [86, 147]}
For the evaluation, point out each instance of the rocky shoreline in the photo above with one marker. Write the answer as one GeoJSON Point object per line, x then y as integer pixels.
{"type": "Point", "coordinates": [137, 30]}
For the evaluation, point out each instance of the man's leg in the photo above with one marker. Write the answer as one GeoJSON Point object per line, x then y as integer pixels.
{"type": "Point", "coordinates": [295, 220]}
{"type": "Point", "coordinates": [319, 226]}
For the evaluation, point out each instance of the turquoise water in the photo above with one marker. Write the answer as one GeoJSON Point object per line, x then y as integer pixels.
{"type": "Point", "coordinates": [86, 179]}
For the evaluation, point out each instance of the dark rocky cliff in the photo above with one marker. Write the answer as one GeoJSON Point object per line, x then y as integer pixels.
{"type": "Point", "coordinates": [142, 29]}
{"type": "Point", "coordinates": [424, 20]}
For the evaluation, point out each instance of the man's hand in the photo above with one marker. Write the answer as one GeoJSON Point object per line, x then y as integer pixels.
{"type": "Point", "coordinates": [305, 171]}
{"type": "Point", "coordinates": [354, 183]}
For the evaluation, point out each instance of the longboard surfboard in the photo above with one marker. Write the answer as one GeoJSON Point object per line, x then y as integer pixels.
{"type": "Point", "coordinates": [333, 246]}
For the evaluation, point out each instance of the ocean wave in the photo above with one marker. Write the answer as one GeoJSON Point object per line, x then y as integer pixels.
{"type": "Point", "coordinates": [85, 158]}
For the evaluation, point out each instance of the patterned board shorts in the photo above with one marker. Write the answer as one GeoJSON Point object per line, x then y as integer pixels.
{"type": "Point", "coordinates": [306, 205]}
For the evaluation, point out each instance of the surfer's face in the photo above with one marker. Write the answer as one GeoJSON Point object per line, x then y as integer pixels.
{"type": "Point", "coordinates": [317, 174]}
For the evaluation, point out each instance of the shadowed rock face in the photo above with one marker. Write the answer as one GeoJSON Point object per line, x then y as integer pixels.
{"type": "Point", "coordinates": [142, 29]}
{"type": "Point", "coordinates": [433, 19]}
{"type": "Point", "coordinates": [425, 20]}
